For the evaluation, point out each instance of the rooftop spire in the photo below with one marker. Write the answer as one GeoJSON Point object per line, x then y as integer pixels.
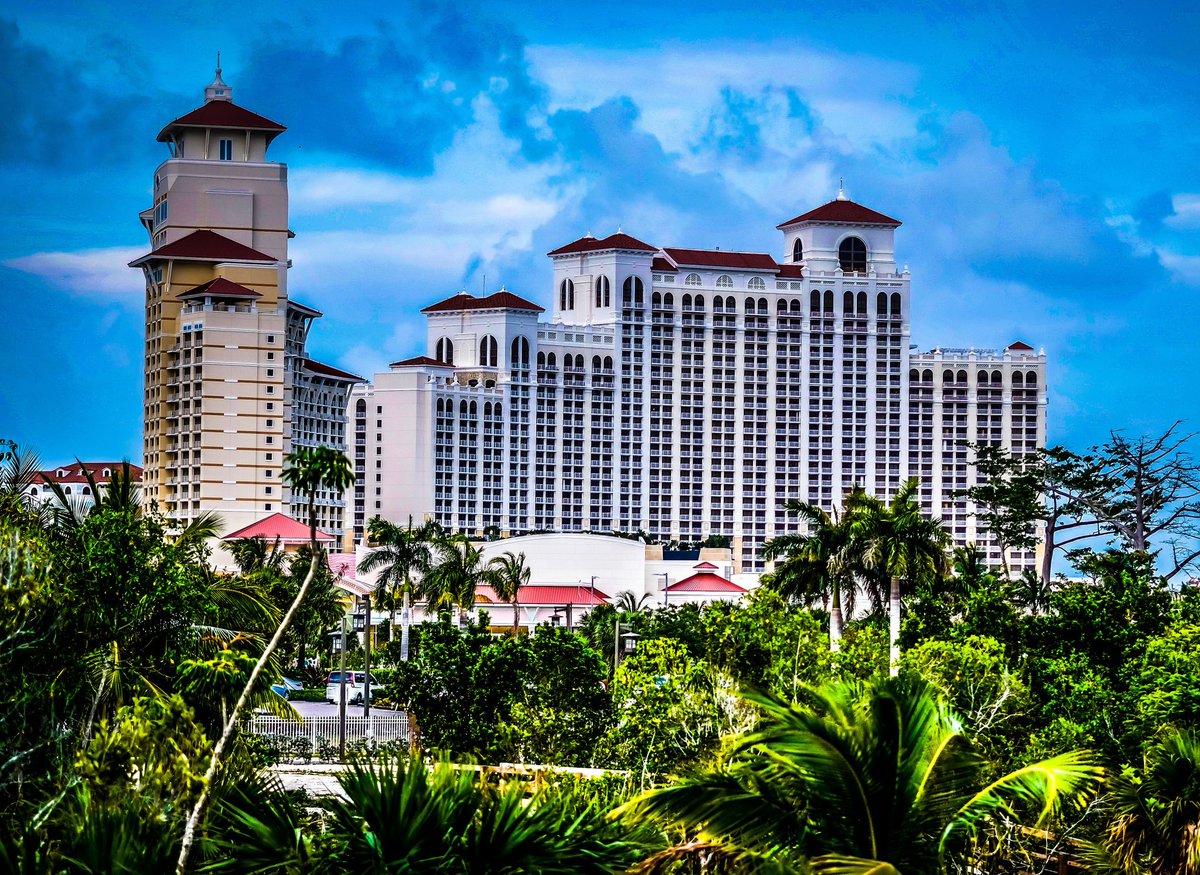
{"type": "Point", "coordinates": [841, 195]}
{"type": "Point", "coordinates": [218, 90]}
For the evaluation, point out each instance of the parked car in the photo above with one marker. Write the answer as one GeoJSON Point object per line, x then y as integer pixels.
{"type": "Point", "coordinates": [286, 687]}
{"type": "Point", "coordinates": [355, 684]}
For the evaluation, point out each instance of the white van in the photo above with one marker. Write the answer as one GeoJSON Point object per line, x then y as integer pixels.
{"type": "Point", "coordinates": [355, 683]}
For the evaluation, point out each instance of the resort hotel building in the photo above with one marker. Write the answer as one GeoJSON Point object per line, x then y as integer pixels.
{"type": "Point", "coordinates": [690, 393]}
{"type": "Point", "coordinates": [229, 389]}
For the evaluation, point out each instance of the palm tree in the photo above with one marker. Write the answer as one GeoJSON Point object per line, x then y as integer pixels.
{"type": "Point", "coordinates": [878, 778]}
{"type": "Point", "coordinates": [628, 603]}
{"type": "Point", "coordinates": [306, 470]}
{"type": "Point", "coordinates": [816, 565]}
{"type": "Point", "coordinates": [454, 575]}
{"type": "Point", "coordinates": [896, 540]}
{"type": "Point", "coordinates": [401, 553]}
{"type": "Point", "coordinates": [508, 573]}
{"type": "Point", "coordinates": [1154, 817]}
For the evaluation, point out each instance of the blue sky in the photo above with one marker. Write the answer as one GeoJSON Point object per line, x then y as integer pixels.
{"type": "Point", "coordinates": [1041, 156]}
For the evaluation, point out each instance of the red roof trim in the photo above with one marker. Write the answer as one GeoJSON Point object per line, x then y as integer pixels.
{"type": "Point", "coordinates": [494, 301]}
{"type": "Point", "coordinates": [420, 361]}
{"type": "Point", "coordinates": [222, 114]}
{"type": "Point", "coordinates": [791, 271]}
{"type": "Point", "coordinates": [613, 241]}
{"type": "Point", "coordinates": [203, 245]}
{"type": "Point", "coordinates": [1022, 346]}
{"type": "Point", "coordinates": [662, 265]}
{"type": "Point", "coordinates": [278, 525]}
{"type": "Point", "coordinates": [219, 288]}
{"type": "Point", "coordinates": [843, 213]}
{"type": "Point", "coordinates": [327, 371]}
{"type": "Point", "coordinates": [550, 596]}
{"type": "Point", "coordinates": [705, 582]}
{"type": "Point", "coordinates": [720, 258]}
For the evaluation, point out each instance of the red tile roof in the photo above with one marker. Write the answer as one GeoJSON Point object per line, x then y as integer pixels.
{"type": "Point", "coordinates": [494, 301]}
{"type": "Point", "coordinates": [1019, 345]}
{"type": "Point", "coordinates": [549, 596]}
{"type": "Point", "coordinates": [843, 212]}
{"type": "Point", "coordinates": [327, 371]}
{"type": "Point", "coordinates": [74, 472]}
{"type": "Point", "coordinates": [706, 566]}
{"type": "Point", "coordinates": [705, 582]}
{"type": "Point", "coordinates": [720, 258]}
{"type": "Point", "coordinates": [420, 361]}
{"type": "Point", "coordinates": [662, 265]}
{"type": "Point", "coordinates": [220, 288]}
{"type": "Point", "coordinates": [277, 525]}
{"type": "Point", "coordinates": [613, 241]}
{"type": "Point", "coordinates": [203, 245]}
{"type": "Point", "coordinates": [222, 114]}
{"type": "Point", "coordinates": [791, 271]}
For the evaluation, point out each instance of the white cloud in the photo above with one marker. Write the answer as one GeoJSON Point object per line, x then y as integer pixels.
{"type": "Point", "coordinates": [1184, 268]}
{"type": "Point", "coordinates": [1187, 212]}
{"type": "Point", "coordinates": [100, 274]}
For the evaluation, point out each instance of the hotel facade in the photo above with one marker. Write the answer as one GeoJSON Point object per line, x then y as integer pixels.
{"type": "Point", "coordinates": [690, 393]}
{"type": "Point", "coordinates": [229, 387]}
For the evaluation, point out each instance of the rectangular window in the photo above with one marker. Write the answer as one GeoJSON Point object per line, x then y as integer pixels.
{"type": "Point", "coordinates": [270, 422]}
{"type": "Point", "coordinates": [270, 356]}
{"type": "Point", "coordinates": [270, 405]}
{"type": "Point", "coordinates": [270, 338]}
{"type": "Point", "coordinates": [270, 439]}
{"type": "Point", "coordinates": [267, 506]}
{"type": "Point", "coordinates": [270, 372]}
{"type": "Point", "coordinates": [268, 489]}
{"type": "Point", "coordinates": [227, 150]}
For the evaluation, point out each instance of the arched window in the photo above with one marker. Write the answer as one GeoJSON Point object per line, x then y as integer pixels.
{"type": "Point", "coordinates": [947, 376]}
{"type": "Point", "coordinates": [861, 304]}
{"type": "Point", "coordinates": [762, 306]}
{"type": "Point", "coordinates": [595, 363]}
{"type": "Point", "coordinates": [852, 255]}
{"type": "Point", "coordinates": [463, 408]}
{"type": "Point", "coordinates": [1031, 378]}
{"type": "Point", "coordinates": [797, 308]}
{"type": "Point", "coordinates": [828, 300]}
{"type": "Point", "coordinates": [474, 409]}
{"type": "Point", "coordinates": [750, 305]}
{"type": "Point", "coordinates": [962, 377]}
{"type": "Point", "coordinates": [724, 282]}
{"type": "Point", "coordinates": [997, 378]}
{"type": "Point", "coordinates": [608, 363]}
{"type": "Point", "coordinates": [781, 306]}
{"type": "Point", "coordinates": [441, 406]}
{"type": "Point", "coordinates": [1018, 378]}
{"type": "Point", "coordinates": [602, 292]}
{"type": "Point", "coordinates": [699, 303]}
{"type": "Point", "coordinates": [896, 304]}
{"type": "Point", "coordinates": [361, 407]}
{"type": "Point", "coordinates": [816, 301]}
{"type": "Point", "coordinates": [731, 305]}
{"type": "Point", "coordinates": [656, 301]}
{"type": "Point", "coordinates": [566, 295]}
{"type": "Point", "coordinates": [756, 283]}
{"type": "Point", "coordinates": [514, 358]}
{"type": "Point", "coordinates": [488, 352]}
{"type": "Point", "coordinates": [445, 351]}
{"type": "Point", "coordinates": [632, 291]}
{"type": "Point", "coordinates": [687, 302]}
{"type": "Point", "coordinates": [87, 490]}
{"type": "Point", "coordinates": [914, 376]}
{"type": "Point", "coordinates": [848, 302]}
{"type": "Point", "coordinates": [541, 360]}
{"type": "Point", "coordinates": [984, 378]}
{"type": "Point", "coordinates": [881, 304]}
{"type": "Point", "coordinates": [692, 279]}
{"type": "Point", "coordinates": [927, 375]}
{"type": "Point", "coordinates": [487, 409]}
{"type": "Point", "coordinates": [797, 251]}
{"type": "Point", "coordinates": [551, 361]}
{"type": "Point", "coordinates": [669, 300]}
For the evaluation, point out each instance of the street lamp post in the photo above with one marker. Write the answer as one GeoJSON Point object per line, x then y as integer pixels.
{"type": "Point", "coordinates": [367, 665]}
{"type": "Point", "coordinates": [342, 697]}
{"type": "Point", "coordinates": [666, 593]}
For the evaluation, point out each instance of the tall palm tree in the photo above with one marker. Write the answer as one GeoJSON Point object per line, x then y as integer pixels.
{"type": "Point", "coordinates": [402, 555]}
{"type": "Point", "coordinates": [306, 470]}
{"type": "Point", "coordinates": [816, 565]}
{"type": "Point", "coordinates": [453, 576]}
{"type": "Point", "coordinates": [897, 541]}
{"type": "Point", "coordinates": [1154, 817]}
{"type": "Point", "coordinates": [877, 779]}
{"type": "Point", "coordinates": [508, 573]}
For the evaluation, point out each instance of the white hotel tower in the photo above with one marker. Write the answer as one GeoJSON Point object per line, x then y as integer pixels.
{"type": "Point", "coordinates": [689, 393]}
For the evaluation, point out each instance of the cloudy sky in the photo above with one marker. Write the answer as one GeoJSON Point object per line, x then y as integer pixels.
{"type": "Point", "coordinates": [1042, 158]}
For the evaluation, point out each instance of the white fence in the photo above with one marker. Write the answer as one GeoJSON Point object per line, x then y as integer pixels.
{"type": "Point", "coordinates": [320, 731]}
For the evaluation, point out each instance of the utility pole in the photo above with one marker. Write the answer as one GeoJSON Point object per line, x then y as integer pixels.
{"type": "Point", "coordinates": [342, 698]}
{"type": "Point", "coordinates": [666, 593]}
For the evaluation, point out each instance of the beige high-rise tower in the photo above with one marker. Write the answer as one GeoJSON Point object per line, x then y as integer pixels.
{"type": "Point", "coordinates": [222, 340]}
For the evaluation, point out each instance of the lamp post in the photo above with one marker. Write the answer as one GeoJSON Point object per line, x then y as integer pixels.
{"type": "Point", "coordinates": [342, 697]}
{"type": "Point", "coordinates": [367, 664]}
{"type": "Point", "coordinates": [666, 593]}
{"type": "Point", "coordinates": [622, 633]}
